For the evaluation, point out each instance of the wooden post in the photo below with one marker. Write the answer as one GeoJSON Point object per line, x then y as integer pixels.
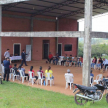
{"type": "Point", "coordinates": [87, 42]}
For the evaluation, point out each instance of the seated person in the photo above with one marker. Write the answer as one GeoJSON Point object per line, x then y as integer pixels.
{"type": "Point", "coordinates": [105, 63]}
{"type": "Point", "coordinates": [99, 63]}
{"type": "Point", "coordinates": [40, 70]}
{"type": "Point", "coordinates": [33, 74]}
{"type": "Point", "coordinates": [64, 60]}
{"type": "Point", "coordinates": [16, 69]}
{"type": "Point", "coordinates": [92, 76]}
{"type": "Point", "coordinates": [23, 69]}
{"type": "Point", "coordinates": [56, 59]}
{"type": "Point", "coordinates": [10, 66]}
{"type": "Point", "coordinates": [94, 61]}
{"type": "Point", "coordinates": [69, 60]}
{"type": "Point", "coordinates": [80, 61]}
{"type": "Point", "coordinates": [70, 74]}
{"type": "Point", "coordinates": [49, 71]}
{"type": "Point", "coordinates": [50, 57]}
{"type": "Point", "coordinates": [74, 61]}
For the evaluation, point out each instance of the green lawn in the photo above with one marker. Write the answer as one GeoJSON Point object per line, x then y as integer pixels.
{"type": "Point", "coordinates": [14, 95]}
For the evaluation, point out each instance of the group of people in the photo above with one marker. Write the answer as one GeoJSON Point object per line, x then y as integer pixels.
{"type": "Point", "coordinates": [75, 61]}
{"type": "Point", "coordinates": [23, 56]}
{"type": "Point", "coordinates": [55, 59]}
{"type": "Point", "coordinates": [7, 65]}
{"type": "Point", "coordinates": [100, 63]}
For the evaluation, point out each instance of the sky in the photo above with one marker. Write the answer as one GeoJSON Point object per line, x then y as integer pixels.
{"type": "Point", "coordinates": [99, 23]}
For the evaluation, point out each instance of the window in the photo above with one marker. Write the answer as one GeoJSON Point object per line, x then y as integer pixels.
{"type": "Point", "coordinates": [68, 47]}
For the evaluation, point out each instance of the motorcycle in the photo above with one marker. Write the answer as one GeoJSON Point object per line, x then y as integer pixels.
{"type": "Point", "coordinates": [85, 94]}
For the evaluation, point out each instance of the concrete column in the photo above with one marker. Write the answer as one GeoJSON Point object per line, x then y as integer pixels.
{"type": "Point", "coordinates": [87, 42]}
{"type": "Point", "coordinates": [31, 38]}
{"type": "Point", "coordinates": [57, 29]}
{"type": "Point", "coordinates": [0, 31]}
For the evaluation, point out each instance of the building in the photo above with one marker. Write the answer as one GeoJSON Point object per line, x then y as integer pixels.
{"type": "Point", "coordinates": [18, 21]}
{"type": "Point", "coordinates": [64, 11]}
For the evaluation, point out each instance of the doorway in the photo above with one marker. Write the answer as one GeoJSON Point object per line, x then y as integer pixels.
{"type": "Point", "coordinates": [60, 49]}
{"type": "Point", "coordinates": [17, 48]}
{"type": "Point", "coordinates": [45, 49]}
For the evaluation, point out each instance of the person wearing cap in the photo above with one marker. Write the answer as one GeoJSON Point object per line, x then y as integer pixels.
{"type": "Point", "coordinates": [6, 64]}
{"type": "Point", "coordinates": [70, 74]}
{"type": "Point", "coordinates": [23, 56]}
{"type": "Point", "coordinates": [7, 54]}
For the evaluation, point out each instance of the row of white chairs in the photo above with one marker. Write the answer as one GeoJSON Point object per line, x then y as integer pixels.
{"type": "Point", "coordinates": [31, 79]}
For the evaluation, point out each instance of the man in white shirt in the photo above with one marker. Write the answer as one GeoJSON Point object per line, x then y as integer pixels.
{"type": "Point", "coordinates": [70, 74]}
{"type": "Point", "coordinates": [105, 63]}
{"type": "Point", "coordinates": [7, 54]}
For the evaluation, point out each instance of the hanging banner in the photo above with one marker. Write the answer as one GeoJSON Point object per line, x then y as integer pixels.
{"type": "Point", "coordinates": [28, 52]}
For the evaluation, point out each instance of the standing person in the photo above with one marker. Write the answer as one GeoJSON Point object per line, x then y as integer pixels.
{"type": "Point", "coordinates": [23, 56]}
{"type": "Point", "coordinates": [6, 64]}
{"type": "Point", "coordinates": [7, 54]}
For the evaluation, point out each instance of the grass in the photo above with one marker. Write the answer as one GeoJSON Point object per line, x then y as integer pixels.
{"type": "Point", "coordinates": [13, 95]}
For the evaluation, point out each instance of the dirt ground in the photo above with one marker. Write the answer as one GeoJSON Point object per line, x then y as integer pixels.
{"type": "Point", "coordinates": [58, 73]}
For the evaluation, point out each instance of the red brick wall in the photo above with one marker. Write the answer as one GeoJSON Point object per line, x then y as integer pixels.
{"type": "Point", "coordinates": [68, 25]}
{"type": "Point", "coordinates": [38, 47]}
{"type": "Point", "coordinates": [7, 42]}
{"type": "Point", "coordinates": [19, 24]}
{"type": "Point", "coordinates": [15, 24]}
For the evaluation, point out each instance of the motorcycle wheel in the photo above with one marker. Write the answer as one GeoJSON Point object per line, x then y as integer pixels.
{"type": "Point", "coordinates": [80, 100]}
{"type": "Point", "coordinates": [107, 97]}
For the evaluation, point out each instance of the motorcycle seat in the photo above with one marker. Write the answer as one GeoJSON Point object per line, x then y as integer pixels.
{"type": "Point", "coordinates": [87, 88]}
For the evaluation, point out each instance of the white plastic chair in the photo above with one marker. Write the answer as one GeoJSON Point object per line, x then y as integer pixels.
{"type": "Point", "coordinates": [31, 78]}
{"type": "Point", "coordinates": [91, 83]}
{"type": "Point", "coordinates": [40, 78]}
{"type": "Point", "coordinates": [98, 78]}
{"type": "Point", "coordinates": [11, 73]}
{"type": "Point", "coordinates": [69, 79]}
{"type": "Point", "coordinates": [21, 75]}
{"type": "Point", "coordinates": [106, 68]}
{"type": "Point", "coordinates": [14, 75]}
{"type": "Point", "coordinates": [48, 78]}
{"type": "Point", "coordinates": [2, 73]}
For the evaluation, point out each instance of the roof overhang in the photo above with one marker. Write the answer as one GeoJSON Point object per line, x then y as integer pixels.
{"type": "Point", "coordinates": [73, 9]}
{"type": "Point", "coordinates": [10, 1]}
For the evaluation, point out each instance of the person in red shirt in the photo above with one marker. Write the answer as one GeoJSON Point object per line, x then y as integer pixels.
{"type": "Point", "coordinates": [50, 57]}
